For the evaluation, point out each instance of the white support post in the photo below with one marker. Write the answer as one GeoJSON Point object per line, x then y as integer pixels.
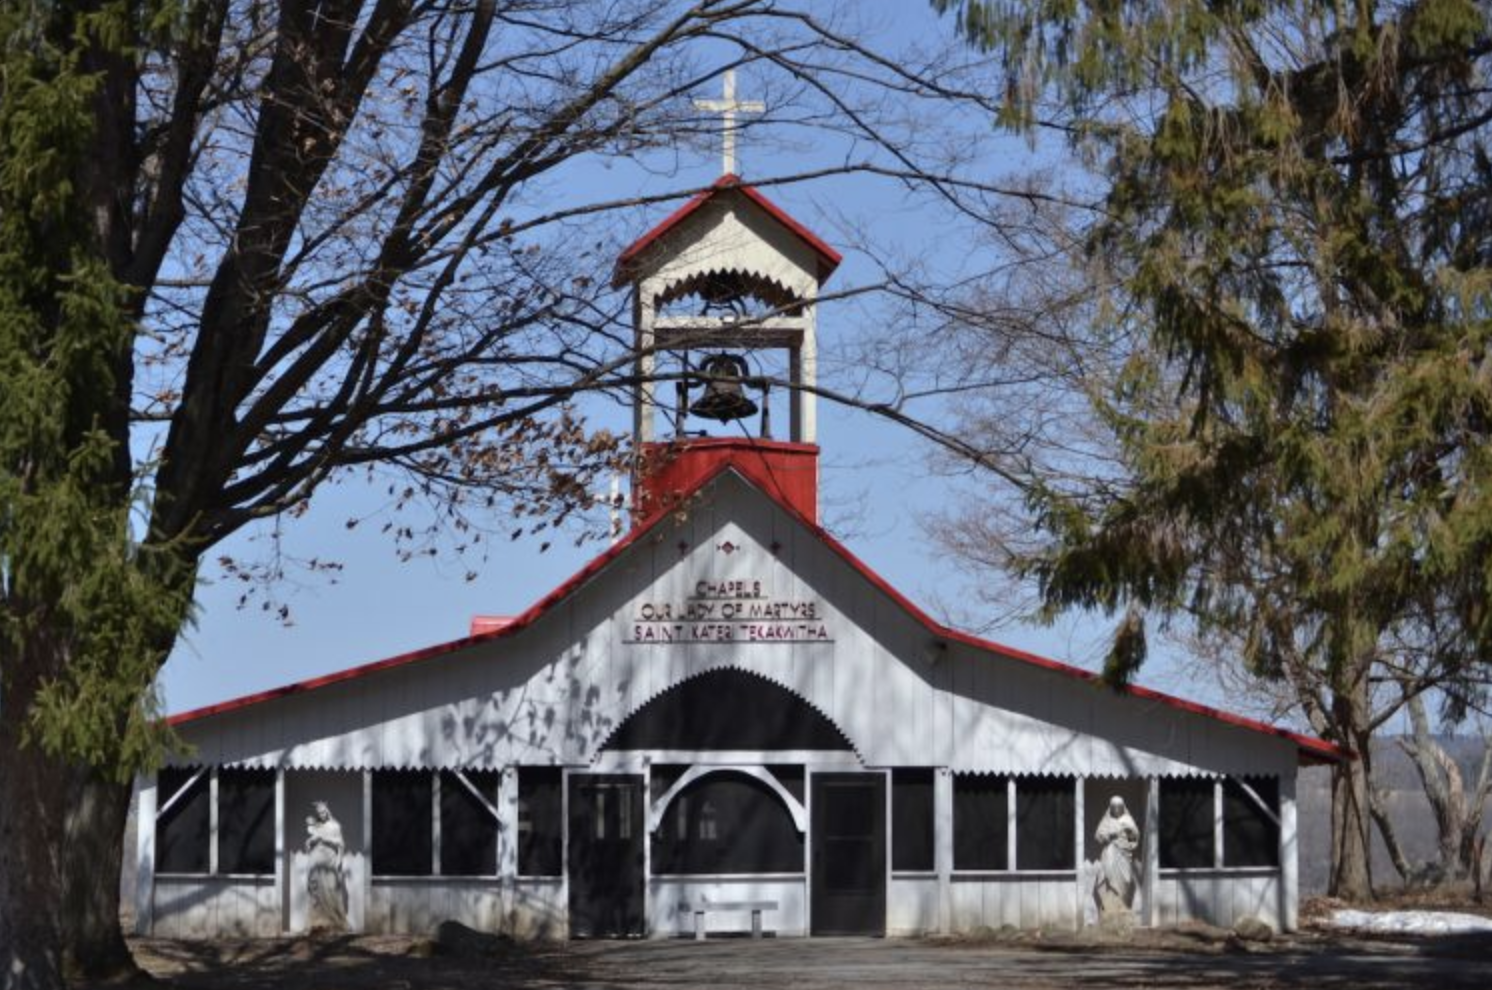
{"type": "Point", "coordinates": [367, 837]}
{"type": "Point", "coordinates": [145, 855]}
{"type": "Point", "coordinates": [565, 846]}
{"type": "Point", "coordinates": [1152, 852]}
{"type": "Point", "coordinates": [647, 848]}
{"type": "Point", "coordinates": [507, 823]}
{"type": "Point", "coordinates": [810, 842]}
{"type": "Point", "coordinates": [1079, 834]}
{"type": "Point", "coordinates": [1011, 852]}
{"type": "Point", "coordinates": [808, 369]}
{"type": "Point", "coordinates": [212, 823]}
{"type": "Point", "coordinates": [943, 845]}
{"type": "Point", "coordinates": [435, 823]}
{"type": "Point", "coordinates": [1217, 823]}
{"type": "Point", "coordinates": [1289, 855]}
{"type": "Point", "coordinates": [282, 865]}
{"type": "Point", "coordinates": [645, 408]}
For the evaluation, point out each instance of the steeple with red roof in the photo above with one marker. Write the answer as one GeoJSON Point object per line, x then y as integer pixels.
{"type": "Point", "coordinates": [725, 293]}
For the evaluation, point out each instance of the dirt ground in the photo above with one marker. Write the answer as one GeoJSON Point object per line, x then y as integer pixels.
{"type": "Point", "coordinates": [1195, 956]}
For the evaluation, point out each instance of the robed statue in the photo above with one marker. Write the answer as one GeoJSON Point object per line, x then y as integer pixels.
{"type": "Point", "coordinates": [325, 881]}
{"type": "Point", "coordinates": [1119, 838]}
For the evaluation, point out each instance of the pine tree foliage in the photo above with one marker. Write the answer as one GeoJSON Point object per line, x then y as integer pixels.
{"type": "Point", "coordinates": [1297, 214]}
{"type": "Point", "coordinates": [71, 575]}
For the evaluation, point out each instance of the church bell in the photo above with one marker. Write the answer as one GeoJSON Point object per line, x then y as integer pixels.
{"type": "Point", "coordinates": [725, 396]}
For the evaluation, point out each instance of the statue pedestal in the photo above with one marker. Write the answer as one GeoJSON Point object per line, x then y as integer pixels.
{"type": "Point", "coordinates": [1118, 922]}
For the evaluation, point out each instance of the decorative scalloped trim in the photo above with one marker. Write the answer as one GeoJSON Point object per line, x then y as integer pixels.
{"type": "Point", "coordinates": [664, 290]}
{"type": "Point", "coordinates": [601, 748]}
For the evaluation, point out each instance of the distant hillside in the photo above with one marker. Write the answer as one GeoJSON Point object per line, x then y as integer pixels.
{"type": "Point", "coordinates": [1408, 808]}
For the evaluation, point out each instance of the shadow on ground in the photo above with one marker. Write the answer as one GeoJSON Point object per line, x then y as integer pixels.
{"type": "Point", "coordinates": [1309, 962]}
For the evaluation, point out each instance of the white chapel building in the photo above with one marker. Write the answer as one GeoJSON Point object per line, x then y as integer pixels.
{"type": "Point", "coordinates": [726, 721]}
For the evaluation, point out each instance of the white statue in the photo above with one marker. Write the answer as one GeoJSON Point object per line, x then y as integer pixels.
{"type": "Point", "coordinates": [325, 881]}
{"type": "Point", "coordinates": [1119, 837]}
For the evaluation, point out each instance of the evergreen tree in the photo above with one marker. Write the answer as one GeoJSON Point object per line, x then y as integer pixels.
{"type": "Point", "coordinates": [1297, 219]}
{"type": "Point", "coordinates": [81, 614]}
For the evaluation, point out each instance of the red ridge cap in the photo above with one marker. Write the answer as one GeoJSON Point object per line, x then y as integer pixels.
{"type": "Point", "coordinates": [1312, 750]}
{"type": "Point", "coordinates": [488, 623]}
{"type": "Point", "coordinates": [829, 258]}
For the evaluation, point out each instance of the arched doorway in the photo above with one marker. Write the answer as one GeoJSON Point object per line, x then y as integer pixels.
{"type": "Point", "coordinates": [731, 757]}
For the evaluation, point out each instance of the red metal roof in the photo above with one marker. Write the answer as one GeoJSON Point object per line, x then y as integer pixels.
{"type": "Point", "coordinates": [828, 258]}
{"type": "Point", "coordinates": [1312, 750]}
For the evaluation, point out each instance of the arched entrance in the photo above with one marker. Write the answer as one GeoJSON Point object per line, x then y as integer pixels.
{"type": "Point", "coordinates": [730, 763]}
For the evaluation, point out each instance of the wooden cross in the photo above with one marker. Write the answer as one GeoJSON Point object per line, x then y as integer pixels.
{"type": "Point", "coordinates": [728, 107]}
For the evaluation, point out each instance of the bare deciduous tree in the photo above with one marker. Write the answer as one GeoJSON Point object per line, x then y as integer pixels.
{"type": "Point", "coordinates": [343, 237]}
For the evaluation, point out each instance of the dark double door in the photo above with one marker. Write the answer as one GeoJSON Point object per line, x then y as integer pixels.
{"type": "Point", "coordinates": [849, 854]}
{"type": "Point", "coordinates": [605, 858]}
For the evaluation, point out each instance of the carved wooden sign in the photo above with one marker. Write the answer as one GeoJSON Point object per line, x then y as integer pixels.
{"type": "Point", "coordinates": [735, 611]}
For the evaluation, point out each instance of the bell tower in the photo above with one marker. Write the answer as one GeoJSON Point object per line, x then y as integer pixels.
{"type": "Point", "coordinates": [724, 294]}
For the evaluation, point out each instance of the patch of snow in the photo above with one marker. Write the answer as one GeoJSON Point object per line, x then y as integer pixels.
{"type": "Point", "coordinates": [1411, 922]}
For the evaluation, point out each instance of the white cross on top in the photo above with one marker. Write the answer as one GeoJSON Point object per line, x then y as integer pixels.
{"type": "Point", "coordinates": [728, 107]}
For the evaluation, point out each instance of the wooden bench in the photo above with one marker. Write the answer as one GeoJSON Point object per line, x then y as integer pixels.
{"type": "Point", "coordinates": [701, 908]}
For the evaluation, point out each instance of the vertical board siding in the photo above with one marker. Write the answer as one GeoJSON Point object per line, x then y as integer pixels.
{"type": "Point", "coordinates": [912, 906]}
{"type": "Point", "coordinates": [417, 907]}
{"type": "Point", "coordinates": [207, 907]}
{"type": "Point", "coordinates": [536, 909]}
{"type": "Point", "coordinates": [1047, 901]}
{"type": "Point", "coordinates": [1219, 897]}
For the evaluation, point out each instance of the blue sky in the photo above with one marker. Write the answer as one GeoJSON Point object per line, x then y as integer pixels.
{"type": "Point", "coordinates": [876, 490]}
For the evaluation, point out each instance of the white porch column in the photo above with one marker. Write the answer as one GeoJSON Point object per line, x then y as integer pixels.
{"type": "Point", "coordinates": [943, 845]}
{"type": "Point", "coordinates": [212, 821]}
{"type": "Point", "coordinates": [145, 854]}
{"type": "Point", "coordinates": [367, 878]}
{"type": "Point", "coordinates": [1217, 823]}
{"type": "Point", "coordinates": [1152, 852]}
{"type": "Point", "coordinates": [282, 867]}
{"type": "Point", "coordinates": [1289, 855]}
{"type": "Point", "coordinates": [507, 823]}
{"type": "Point", "coordinates": [435, 823]}
{"type": "Point", "coordinates": [805, 400]}
{"type": "Point", "coordinates": [1080, 818]}
{"type": "Point", "coordinates": [1012, 852]}
{"type": "Point", "coordinates": [645, 402]}
{"type": "Point", "coordinates": [507, 845]}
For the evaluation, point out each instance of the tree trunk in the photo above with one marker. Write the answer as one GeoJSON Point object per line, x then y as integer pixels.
{"type": "Point", "coordinates": [1390, 837]}
{"type": "Point", "coordinates": [1351, 872]}
{"type": "Point", "coordinates": [98, 809]}
{"type": "Point", "coordinates": [94, 946]}
{"type": "Point", "coordinates": [1351, 800]}
{"type": "Point", "coordinates": [30, 847]}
